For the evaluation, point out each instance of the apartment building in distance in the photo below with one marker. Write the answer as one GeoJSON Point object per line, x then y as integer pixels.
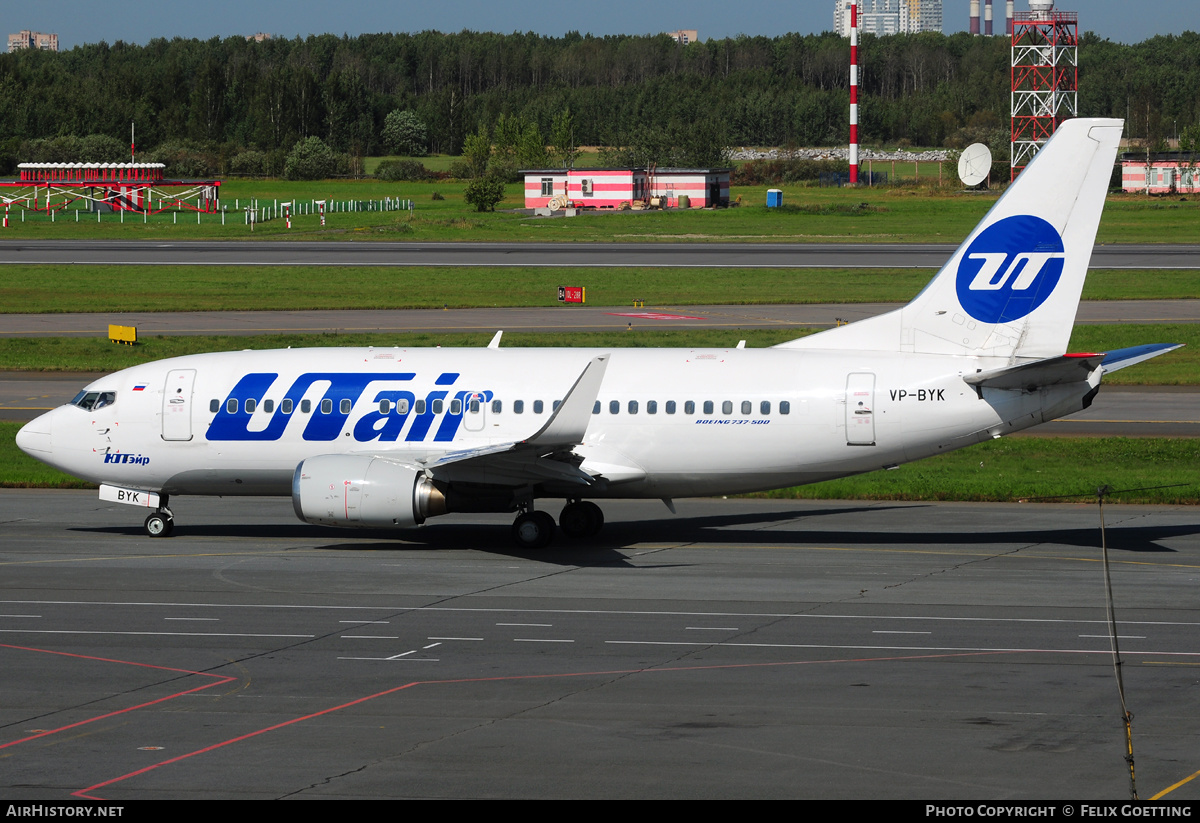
{"type": "Point", "coordinates": [881, 17]}
{"type": "Point", "coordinates": [32, 40]}
{"type": "Point", "coordinates": [684, 36]}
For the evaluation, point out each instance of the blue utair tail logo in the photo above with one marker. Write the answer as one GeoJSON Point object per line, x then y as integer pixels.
{"type": "Point", "coordinates": [1010, 269]}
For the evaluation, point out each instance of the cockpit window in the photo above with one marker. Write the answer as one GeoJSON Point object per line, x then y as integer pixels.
{"type": "Point", "coordinates": [93, 400]}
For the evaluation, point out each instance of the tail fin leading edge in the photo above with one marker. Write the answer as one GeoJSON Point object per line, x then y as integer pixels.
{"type": "Point", "coordinates": [1012, 288]}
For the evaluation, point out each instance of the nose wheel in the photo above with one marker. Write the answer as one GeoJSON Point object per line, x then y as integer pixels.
{"type": "Point", "coordinates": [160, 524]}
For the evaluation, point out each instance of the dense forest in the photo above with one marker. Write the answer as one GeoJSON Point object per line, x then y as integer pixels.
{"type": "Point", "coordinates": [236, 95]}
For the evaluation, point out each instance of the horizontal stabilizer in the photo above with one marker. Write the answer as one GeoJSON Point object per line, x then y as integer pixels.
{"type": "Point", "coordinates": [1120, 358]}
{"type": "Point", "coordinates": [1053, 371]}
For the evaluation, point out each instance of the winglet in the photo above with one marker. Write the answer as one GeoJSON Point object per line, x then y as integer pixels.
{"type": "Point", "coordinates": [495, 344]}
{"type": "Point", "coordinates": [569, 422]}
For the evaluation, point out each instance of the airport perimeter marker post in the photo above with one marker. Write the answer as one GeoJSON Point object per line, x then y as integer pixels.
{"type": "Point", "coordinates": [321, 209]}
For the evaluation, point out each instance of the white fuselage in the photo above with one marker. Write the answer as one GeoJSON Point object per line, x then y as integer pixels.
{"type": "Point", "coordinates": [671, 422]}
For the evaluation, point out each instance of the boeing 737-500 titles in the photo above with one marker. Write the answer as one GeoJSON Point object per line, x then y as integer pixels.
{"type": "Point", "coordinates": [389, 437]}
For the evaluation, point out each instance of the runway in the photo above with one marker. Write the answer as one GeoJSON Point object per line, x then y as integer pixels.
{"type": "Point", "coordinates": [742, 649]}
{"type": "Point", "coordinates": [571, 255]}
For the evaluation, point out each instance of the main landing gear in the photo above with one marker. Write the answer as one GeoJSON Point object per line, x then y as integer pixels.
{"type": "Point", "coordinates": [161, 522]}
{"type": "Point", "coordinates": [535, 529]}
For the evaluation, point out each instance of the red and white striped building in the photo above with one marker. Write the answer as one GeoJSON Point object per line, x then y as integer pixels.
{"type": "Point", "coordinates": [609, 188]}
{"type": "Point", "coordinates": [1168, 173]}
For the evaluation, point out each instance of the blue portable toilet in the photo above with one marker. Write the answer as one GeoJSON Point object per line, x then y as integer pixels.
{"type": "Point", "coordinates": [774, 198]}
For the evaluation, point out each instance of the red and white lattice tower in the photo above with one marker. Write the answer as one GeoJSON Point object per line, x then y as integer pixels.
{"type": "Point", "coordinates": [1045, 77]}
{"type": "Point", "coordinates": [853, 92]}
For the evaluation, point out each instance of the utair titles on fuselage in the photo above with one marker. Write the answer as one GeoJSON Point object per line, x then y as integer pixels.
{"type": "Point", "coordinates": [386, 438]}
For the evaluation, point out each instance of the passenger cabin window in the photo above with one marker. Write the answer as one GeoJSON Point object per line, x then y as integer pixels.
{"type": "Point", "coordinates": [670, 407]}
{"type": "Point", "coordinates": [268, 406]}
{"type": "Point", "coordinates": [231, 405]}
{"type": "Point", "coordinates": [438, 406]}
{"type": "Point", "coordinates": [251, 405]}
{"type": "Point", "coordinates": [327, 406]}
{"type": "Point", "coordinates": [214, 405]}
{"type": "Point", "coordinates": [708, 407]}
{"type": "Point", "coordinates": [614, 406]}
{"type": "Point", "coordinates": [747, 407]}
{"type": "Point", "coordinates": [420, 407]}
{"type": "Point", "coordinates": [518, 407]}
{"type": "Point", "coordinates": [555, 405]}
{"type": "Point", "coordinates": [402, 406]}
{"type": "Point", "coordinates": [633, 407]}
{"type": "Point", "coordinates": [727, 407]}
{"type": "Point", "coordinates": [473, 407]}
{"type": "Point", "coordinates": [689, 407]}
{"type": "Point", "coordinates": [538, 406]}
{"type": "Point", "coordinates": [456, 406]}
{"type": "Point", "coordinates": [764, 407]}
{"type": "Point", "coordinates": [785, 407]}
{"type": "Point", "coordinates": [286, 406]}
{"type": "Point", "coordinates": [596, 407]}
{"type": "Point", "coordinates": [651, 407]}
{"type": "Point", "coordinates": [385, 406]}
{"type": "Point", "coordinates": [345, 406]}
{"type": "Point", "coordinates": [305, 406]}
{"type": "Point", "coordinates": [497, 407]}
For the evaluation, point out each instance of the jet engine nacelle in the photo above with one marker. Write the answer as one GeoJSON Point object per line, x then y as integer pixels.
{"type": "Point", "coordinates": [363, 492]}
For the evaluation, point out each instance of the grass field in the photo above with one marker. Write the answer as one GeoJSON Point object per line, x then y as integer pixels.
{"type": "Point", "coordinates": [35, 289]}
{"type": "Point", "coordinates": [86, 354]}
{"type": "Point", "coordinates": [907, 214]}
{"type": "Point", "coordinates": [1004, 470]}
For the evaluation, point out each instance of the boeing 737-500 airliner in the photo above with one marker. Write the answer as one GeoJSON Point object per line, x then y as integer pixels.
{"type": "Point", "coordinates": [389, 437]}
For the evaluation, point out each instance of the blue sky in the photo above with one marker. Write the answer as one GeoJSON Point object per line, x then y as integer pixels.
{"type": "Point", "coordinates": [78, 22]}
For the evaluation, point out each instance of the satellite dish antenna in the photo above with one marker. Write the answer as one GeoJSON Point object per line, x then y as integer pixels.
{"type": "Point", "coordinates": [975, 164]}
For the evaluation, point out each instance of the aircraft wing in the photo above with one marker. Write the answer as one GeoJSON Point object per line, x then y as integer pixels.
{"type": "Point", "coordinates": [545, 456]}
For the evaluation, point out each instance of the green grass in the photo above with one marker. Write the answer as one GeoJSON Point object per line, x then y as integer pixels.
{"type": "Point", "coordinates": [1009, 469]}
{"type": "Point", "coordinates": [1031, 467]}
{"type": "Point", "coordinates": [52, 288]}
{"type": "Point", "coordinates": [910, 214]}
{"type": "Point", "coordinates": [86, 354]}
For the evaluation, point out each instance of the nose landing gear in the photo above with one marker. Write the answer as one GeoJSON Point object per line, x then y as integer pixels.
{"type": "Point", "coordinates": [161, 522]}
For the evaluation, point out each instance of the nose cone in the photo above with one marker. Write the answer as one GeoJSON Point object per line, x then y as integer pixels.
{"type": "Point", "coordinates": [34, 438]}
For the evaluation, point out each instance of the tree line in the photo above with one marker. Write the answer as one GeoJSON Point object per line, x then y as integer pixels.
{"type": "Point", "coordinates": [220, 100]}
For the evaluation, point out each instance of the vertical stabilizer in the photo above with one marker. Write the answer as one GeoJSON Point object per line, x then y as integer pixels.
{"type": "Point", "coordinates": [1012, 288]}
